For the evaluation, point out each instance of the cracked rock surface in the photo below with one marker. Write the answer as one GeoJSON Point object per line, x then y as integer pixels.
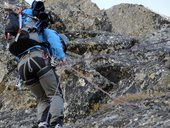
{"type": "Point", "coordinates": [116, 75]}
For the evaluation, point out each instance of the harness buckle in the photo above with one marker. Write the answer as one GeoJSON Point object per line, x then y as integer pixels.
{"type": "Point", "coordinates": [29, 52]}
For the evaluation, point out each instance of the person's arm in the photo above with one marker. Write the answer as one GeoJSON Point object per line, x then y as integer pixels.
{"type": "Point", "coordinates": [55, 44]}
{"type": "Point", "coordinates": [26, 19]}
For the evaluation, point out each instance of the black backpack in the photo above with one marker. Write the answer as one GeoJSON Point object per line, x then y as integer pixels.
{"type": "Point", "coordinates": [27, 38]}
{"type": "Point", "coordinates": [12, 23]}
{"type": "Point", "coordinates": [37, 7]}
{"type": "Point", "coordinates": [25, 41]}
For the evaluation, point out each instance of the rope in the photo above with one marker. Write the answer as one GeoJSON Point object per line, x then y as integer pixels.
{"type": "Point", "coordinates": [48, 114]}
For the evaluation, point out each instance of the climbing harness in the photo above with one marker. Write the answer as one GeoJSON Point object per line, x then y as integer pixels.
{"type": "Point", "coordinates": [19, 82]}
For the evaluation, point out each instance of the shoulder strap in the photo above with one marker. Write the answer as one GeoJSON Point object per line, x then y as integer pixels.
{"type": "Point", "coordinates": [30, 16]}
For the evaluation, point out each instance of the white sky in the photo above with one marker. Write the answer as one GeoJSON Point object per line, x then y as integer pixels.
{"type": "Point", "coordinates": [160, 6]}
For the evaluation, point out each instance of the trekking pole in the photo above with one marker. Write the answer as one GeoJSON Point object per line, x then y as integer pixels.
{"type": "Point", "coordinates": [20, 23]}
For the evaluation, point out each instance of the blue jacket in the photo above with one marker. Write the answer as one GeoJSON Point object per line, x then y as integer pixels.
{"type": "Point", "coordinates": [26, 19]}
{"type": "Point", "coordinates": [48, 36]}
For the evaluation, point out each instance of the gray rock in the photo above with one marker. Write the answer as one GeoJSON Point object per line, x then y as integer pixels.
{"type": "Point", "coordinates": [110, 79]}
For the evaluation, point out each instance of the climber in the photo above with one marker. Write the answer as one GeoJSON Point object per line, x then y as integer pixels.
{"type": "Point", "coordinates": [37, 48]}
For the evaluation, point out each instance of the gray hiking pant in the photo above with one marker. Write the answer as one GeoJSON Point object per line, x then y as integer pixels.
{"type": "Point", "coordinates": [41, 79]}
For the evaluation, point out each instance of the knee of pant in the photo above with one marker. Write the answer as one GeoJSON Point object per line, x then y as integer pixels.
{"type": "Point", "coordinates": [59, 121]}
{"type": "Point", "coordinates": [37, 91]}
{"type": "Point", "coordinates": [56, 107]}
{"type": "Point", "coordinates": [44, 70]}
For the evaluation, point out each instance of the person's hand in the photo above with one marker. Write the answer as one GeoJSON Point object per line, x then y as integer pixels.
{"type": "Point", "coordinates": [55, 62]}
{"type": "Point", "coordinates": [8, 36]}
{"type": "Point", "coordinates": [61, 62]}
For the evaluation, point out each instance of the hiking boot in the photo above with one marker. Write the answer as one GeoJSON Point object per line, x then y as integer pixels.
{"type": "Point", "coordinates": [43, 125]}
{"type": "Point", "coordinates": [58, 126]}
{"type": "Point", "coordinates": [58, 123]}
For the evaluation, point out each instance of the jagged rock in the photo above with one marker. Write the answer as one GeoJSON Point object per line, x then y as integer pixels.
{"type": "Point", "coordinates": [76, 15]}
{"type": "Point", "coordinates": [151, 112]}
{"type": "Point", "coordinates": [134, 20]}
{"type": "Point", "coordinates": [110, 79]}
{"type": "Point", "coordinates": [84, 5]}
{"type": "Point", "coordinates": [126, 19]}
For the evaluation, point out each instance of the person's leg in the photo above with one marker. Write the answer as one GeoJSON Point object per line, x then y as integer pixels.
{"type": "Point", "coordinates": [35, 62]}
{"type": "Point", "coordinates": [50, 83]}
{"type": "Point", "coordinates": [43, 103]}
{"type": "Point", "coordinates": [42, 100]}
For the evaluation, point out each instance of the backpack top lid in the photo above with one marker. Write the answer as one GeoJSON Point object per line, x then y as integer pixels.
{"type": "Point", "coordinates": [38, 6]}
{"type": "Point", "coordinates": [12, 23]}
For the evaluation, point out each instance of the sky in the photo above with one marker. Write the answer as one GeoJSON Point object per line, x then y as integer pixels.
{"type": "Point", "coordinates": [158, 6]}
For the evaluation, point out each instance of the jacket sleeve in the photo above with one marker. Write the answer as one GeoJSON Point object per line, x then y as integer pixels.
{"type": "Point", "coordinates": [25, 18]}
{"type": "Point", "coordinates": [55, 44]}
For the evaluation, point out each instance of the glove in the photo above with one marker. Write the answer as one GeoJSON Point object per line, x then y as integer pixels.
{"type": "Point", "coordinates": [61, 62]}
{"type": "Point", "coordinates": [55, 62]}
{"type": "Point", "coordinates": [8, 36]}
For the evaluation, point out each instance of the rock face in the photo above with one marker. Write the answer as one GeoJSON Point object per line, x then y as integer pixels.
{"type": "Point", "coordinates": [134, 20]}
{"type": "Point", "coordinates": [111, 79]}
{"type": "Point", "coordinates": [80, 15]}
{"type": "Point", "coordinates": [126, 19]}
